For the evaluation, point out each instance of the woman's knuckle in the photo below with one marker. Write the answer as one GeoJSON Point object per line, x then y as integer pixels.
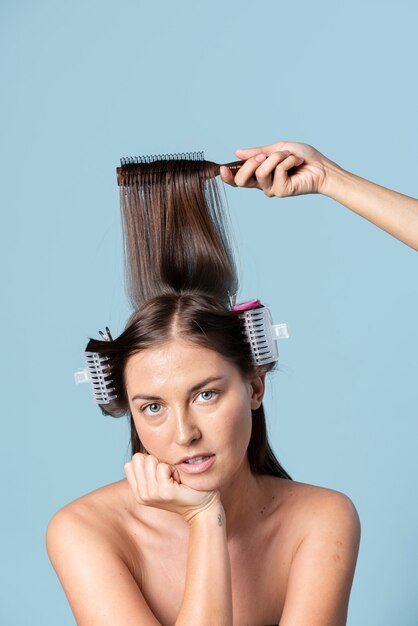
{"type": "Point", "coordinates": [139, 494]}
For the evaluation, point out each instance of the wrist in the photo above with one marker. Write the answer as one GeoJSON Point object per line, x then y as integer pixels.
{"type": "Point", "coordinates": [333, 175]}
{"type": "Point", "coordinates": [212, 513]}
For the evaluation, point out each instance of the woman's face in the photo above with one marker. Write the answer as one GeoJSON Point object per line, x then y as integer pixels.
{"type": "Point", "coordinates": [187, 400]}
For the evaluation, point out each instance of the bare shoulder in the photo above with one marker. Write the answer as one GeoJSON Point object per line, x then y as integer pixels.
{"type": "Point", "coordinates": [99, 516]}
{"type": "Point", "coordinates": [322, 505]}
{"type": "Point", "coordinates": [305, 509]}
{"type": "Point", "coordinates": [327, 538]}
{"type": "Point", "coordinates": [311, 502]}
{"type": "Point", "coordinates": [86, 543]}
{"type": "Point", "coordinates": [102, 497]}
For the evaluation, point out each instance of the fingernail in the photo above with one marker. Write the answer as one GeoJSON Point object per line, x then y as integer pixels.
{"type": "Point", "coordinates": [260, 157]}
{"type": "Point", "coordinates": [286, 152]}
{"type": "Point", "coordinates": [300, 160]}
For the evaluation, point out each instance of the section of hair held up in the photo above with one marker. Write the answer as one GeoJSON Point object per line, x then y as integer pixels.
{"type": "Point", "coordinates": [175, 230]}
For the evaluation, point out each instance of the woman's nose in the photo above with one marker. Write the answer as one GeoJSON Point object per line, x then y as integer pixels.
{"type": "Point", "coordinates": [186, 428]}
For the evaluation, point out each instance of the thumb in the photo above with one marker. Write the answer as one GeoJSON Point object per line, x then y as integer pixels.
{"type": "Point", "coordinates": [226, 175]}
{"type": "Point", "coordinates": [175, 474]}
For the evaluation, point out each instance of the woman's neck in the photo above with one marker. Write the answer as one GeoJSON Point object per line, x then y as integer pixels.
{"type": "Point", "coordinates": [246, 501]}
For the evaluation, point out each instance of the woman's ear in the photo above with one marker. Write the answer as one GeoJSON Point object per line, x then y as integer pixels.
{"type": "Point", "coordinates": [258, 386]}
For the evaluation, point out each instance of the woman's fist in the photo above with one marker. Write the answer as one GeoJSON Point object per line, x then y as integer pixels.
{"type": "Point", "coordinates": [157, 484]}
{"type": "Point", "coordinates": [280, 169]}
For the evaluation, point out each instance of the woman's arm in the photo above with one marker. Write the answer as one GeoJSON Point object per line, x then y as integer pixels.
{"type": "Point", "coordinates": [101, 589]}
{"type": "Point", "coordinates": [99, 586]}
{"type": "Point", "coordinates": [207, 597]}
{"type": "Point", "coordinates": [96, 578]}
{"type": "Point", "coordinates": [322, 569]}
{"type": "Point", "coordinates": [394, 212]}
{"type": "Point", "coordinates": [291, 168]}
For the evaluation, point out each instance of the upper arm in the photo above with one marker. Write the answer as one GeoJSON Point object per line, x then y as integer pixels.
{"type": "Point", "coordinates": [322, 569]}
{"type": "Point", "coordinates": [98, 584]}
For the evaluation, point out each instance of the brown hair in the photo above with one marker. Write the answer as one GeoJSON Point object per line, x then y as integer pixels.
{"type": "Point", "coordinates": [175, 231]}
{"type": "Point", "coordinates": [180, 269]}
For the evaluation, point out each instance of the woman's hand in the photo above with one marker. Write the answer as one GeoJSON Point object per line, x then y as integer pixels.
{"type": "Point", "coordinates": [157, 484]}
{"type": "Point", "coordinates": [280, 169]}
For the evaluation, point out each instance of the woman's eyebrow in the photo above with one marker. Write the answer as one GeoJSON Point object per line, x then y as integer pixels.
{"type": "Point", "coordinates": [202, 383]}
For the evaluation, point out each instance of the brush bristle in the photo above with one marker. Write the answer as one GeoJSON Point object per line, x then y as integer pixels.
{"type": "Point", "coordinates": [152, 158]}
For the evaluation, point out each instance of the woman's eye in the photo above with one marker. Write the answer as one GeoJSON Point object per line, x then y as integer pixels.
{"type": "Point", "coordinates": [207, 395]}
{"type": "Point", "coordinates": [151, 407]}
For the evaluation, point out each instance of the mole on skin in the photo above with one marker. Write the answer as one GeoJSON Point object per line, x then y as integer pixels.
{"type": "Point", "coordinates": [337, 557]}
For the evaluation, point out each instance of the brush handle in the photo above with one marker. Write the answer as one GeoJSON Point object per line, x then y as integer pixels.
{"type": "Point", "coordinates": [234, 165]}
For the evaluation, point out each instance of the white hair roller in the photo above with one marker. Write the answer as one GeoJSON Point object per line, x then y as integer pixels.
{"type": "Point", "coordinates": [260, 332]}
{"type": "Point", "coordinates": [97, 374]}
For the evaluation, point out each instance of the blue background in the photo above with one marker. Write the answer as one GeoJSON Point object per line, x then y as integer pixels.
{"type": "Point", "coordinates": [86, 82]}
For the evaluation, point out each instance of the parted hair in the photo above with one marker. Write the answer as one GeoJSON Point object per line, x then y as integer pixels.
{"type": "Point", "coordinates": [179, 270]}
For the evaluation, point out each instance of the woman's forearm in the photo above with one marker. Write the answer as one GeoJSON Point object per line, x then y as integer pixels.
{"type": "Point", "coordinates": [394, 212]}
{"type": "Point", "coordinates": [207, 597]}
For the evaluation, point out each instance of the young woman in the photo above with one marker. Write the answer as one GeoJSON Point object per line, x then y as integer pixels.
{"type": "Point", "coordinates": [208, 528]}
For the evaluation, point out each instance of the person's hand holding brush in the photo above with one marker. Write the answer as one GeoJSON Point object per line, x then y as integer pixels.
{"type": "Point", "coordinates": [291, 169]}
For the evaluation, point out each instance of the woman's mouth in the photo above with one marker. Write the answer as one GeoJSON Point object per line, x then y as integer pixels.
{"type": "Point", "coordinates": [197, 465]}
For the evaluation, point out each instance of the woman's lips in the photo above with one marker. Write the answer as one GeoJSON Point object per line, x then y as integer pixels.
{"type": "Point", "coordinates": [197, 468]}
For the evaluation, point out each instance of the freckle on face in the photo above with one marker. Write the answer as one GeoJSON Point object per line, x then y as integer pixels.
{"type": "Point", "coordinates": [169, 371]}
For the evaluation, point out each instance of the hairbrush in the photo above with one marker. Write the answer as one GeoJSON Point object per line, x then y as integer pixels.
{"type": "Point", "coordinates": [260, 332]}
{"type": "Point", "coordinates": [177, 162]}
